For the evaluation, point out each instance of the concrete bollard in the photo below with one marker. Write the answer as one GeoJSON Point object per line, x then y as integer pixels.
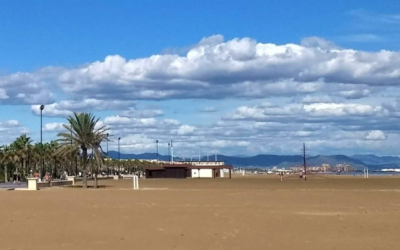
{"type": "Point", "coordinates": [135, 182]}
{"type": "Point", "coordinates": [71, 178]}
{"type": "Point", "coordinates": [32, 183]}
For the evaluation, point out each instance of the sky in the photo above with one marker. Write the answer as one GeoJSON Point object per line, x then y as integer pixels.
{"type": "Point", "coordinates": [234, 77]}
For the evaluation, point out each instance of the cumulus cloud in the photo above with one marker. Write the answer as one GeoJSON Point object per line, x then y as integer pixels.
{"type": "Point", "coordinates": [214, 68]}
{"type": "Point", "coordinates": [307, 111]}
{"type": "Point", "coordinates": [237, 62]}
{"type": "Point", "coordinates": [51, 110]}
{"type": "Point", "coordinates": [28, 88]}
{"type": "Point", "coordinates": [142, 113]}
{"type": "Point", "coordinates": [67, 107]}
{"type": "Point", "coordinates": [185, 129]}
{"type": "Point", "coordinates": [355, 94]}
{"type": "Point", "coordinates": [314, 91]}
{"type": "Point", "coordinates": [317, 42]}
{"type": "Point", "coordinates": [316, 99]}
{"type": "Point", "coordinates": [10, 129]}
{"type": "Point", "coordinates": [54, 127]}
{"type": "Point", "coordinates": [376, 135]}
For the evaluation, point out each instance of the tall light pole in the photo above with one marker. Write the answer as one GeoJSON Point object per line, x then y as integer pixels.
{"type": "Point", "coordinates": [107, 143]}
{"type": "Point", "coordinates": [169, 154]}
{"type": "Point", "coordinates": [72, 154]}
{"type": "Point", "coordinates": [119, 158]}
{"type": "Point", "coordinates": [108, 168]}
{"type": "Point", "coordinates": [172, 152]}
{"type": "Point", "coordinates": [304, 161]}
{"type": "Point", "coordinates": [157, 149]}
{"type": "Point", "coordinates": [41, 138]}
{"type": "Point", "coordinates": [119, 154]}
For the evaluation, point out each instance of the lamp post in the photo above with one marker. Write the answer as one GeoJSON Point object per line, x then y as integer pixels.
{"type": "Point", "coordinates": [119, 158]}
{"type": "Point", "coordinates": [41, 138]}
{"type": "Point", "coordinates": [108, 168]}
{"type": "Point", "coordinates": [169, 153]}
{"type": "Point", "coordinates": [72, 154]}
{"type": "Point", "coordinates": [157, 149]}
{"type": "Point", "coordinates": [119, 154]}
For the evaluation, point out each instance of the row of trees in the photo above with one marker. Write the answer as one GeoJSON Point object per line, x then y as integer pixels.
{"type": "Point", "coordinates": [76, 150]}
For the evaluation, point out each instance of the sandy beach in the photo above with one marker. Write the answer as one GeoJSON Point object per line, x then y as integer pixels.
{"type": "Point", "coordinates": [254, 212]}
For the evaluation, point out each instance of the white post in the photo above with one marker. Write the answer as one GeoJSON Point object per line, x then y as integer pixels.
{"type": "Point", "coordinates": [71, 178]}
{"type": "Point", "coordinates": [243, 172]}
{"type": "Point", "coordinates": [367, 173]}
{"type": "Point", "coordinates": [135, 182]}
{"type": "Point", "coordinates": [32, 183]}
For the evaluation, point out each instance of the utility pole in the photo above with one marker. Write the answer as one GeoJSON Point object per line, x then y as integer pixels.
{"type": "Point", "coordinates": [41, 139]}
{"type": "Point", "coordinates": [304, 161]}
{"type": "Point", "coordinates": [172, 153]}
{"type": "Point", "coordinates": [157, 151]}
{"type": "Point", "coordinates": [169, 153]}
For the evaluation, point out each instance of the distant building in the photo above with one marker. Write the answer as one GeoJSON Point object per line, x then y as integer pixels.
{"type": "Point", "coordinates": [202, 163]}
{"type": "Point", "coordinates": [182, 170]}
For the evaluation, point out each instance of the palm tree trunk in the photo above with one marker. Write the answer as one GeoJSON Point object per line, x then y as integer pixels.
{"type": "Point", "coordinates": [5, 173]}
{"type": "Point", "coordinates": [95, 180]}
{"type": "Point", "coordinates": [84, 165]}
{"type": "Point", "coordinates": [23, 170]}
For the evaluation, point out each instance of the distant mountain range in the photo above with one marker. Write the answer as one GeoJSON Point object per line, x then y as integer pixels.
{"type": "Point", "coordinates": [373, 162]}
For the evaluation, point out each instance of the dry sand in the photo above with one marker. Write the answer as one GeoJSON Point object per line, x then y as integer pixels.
{"type": "Point", "coordinates": [257, 212]}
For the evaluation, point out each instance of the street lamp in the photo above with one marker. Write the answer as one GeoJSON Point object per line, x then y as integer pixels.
{"type": "Point", "coordinates": [119, 158]}
{"type": "Point", "coordinates": [119, 154]}
{"type": "Point", "coordinates": [108, 163]}
{"type": "Point", "coordinates": [157, 149]}
{"type": "Point", "coordinates": [169, 152]}
{"type": "Point", "coordinates": [107, 143]}
{"type": "Point", "coordinates": [72, 155]}
{"type": "Point", "coordinates": [41, 138]}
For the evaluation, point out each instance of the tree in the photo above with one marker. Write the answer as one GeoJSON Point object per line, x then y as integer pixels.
{"type": "Point", "coordinates": [23, 145]}
{"type": "Point", "coordinates": [84, 134]}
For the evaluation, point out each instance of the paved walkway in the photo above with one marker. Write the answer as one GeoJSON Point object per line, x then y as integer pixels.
{"type": "Point", "coordinates": [12, 185]}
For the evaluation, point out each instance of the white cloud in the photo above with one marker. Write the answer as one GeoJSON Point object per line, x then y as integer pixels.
{"type": "Point", "coordinates": [117, 120]}
{"type": "Point", "coordinates": [185, 129]}
{"type": "Point", "coordinates": [355, 93]}
{"type": "Point", "coordinates": [341, 109]}
{"type": "Point", "coordinates": [238, 68]}
{"type": "Point", "coordinates": [3, 94]}
{"type": "Point", "coordinates": [28, 88]}
{"type": "Point", "coordinates": [11, 129]}
{"type": "Point", "coordinates": [67, 107]}
{"type": "Point", "coordinates": [307, 111]}
{"type": "Point", "coordinates": [376, 135]}
{"type": "Point", "coordinates": [314, 91]}
{"type": "Point", "coordinates": [51, 110]}
{"type": "Point", "coordinates": [316, 99]}
{"type": "Point", "coordinates": [54, 127]}
{"type": "Point", "coordinates": [10, 123]}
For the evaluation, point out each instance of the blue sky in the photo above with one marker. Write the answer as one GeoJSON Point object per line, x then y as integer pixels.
{"type": "Point", "coordinates": [47, 47]}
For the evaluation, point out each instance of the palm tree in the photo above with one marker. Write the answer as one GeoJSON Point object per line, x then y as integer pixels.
{"type": "Point", "coordinates": [83, 133]}
{"type": "Point", "coordinates": [22, 146]}
{"type": "Point", "coordinates": [3, 161]}
{"type": "Point", "coordinates": [7, 158]}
